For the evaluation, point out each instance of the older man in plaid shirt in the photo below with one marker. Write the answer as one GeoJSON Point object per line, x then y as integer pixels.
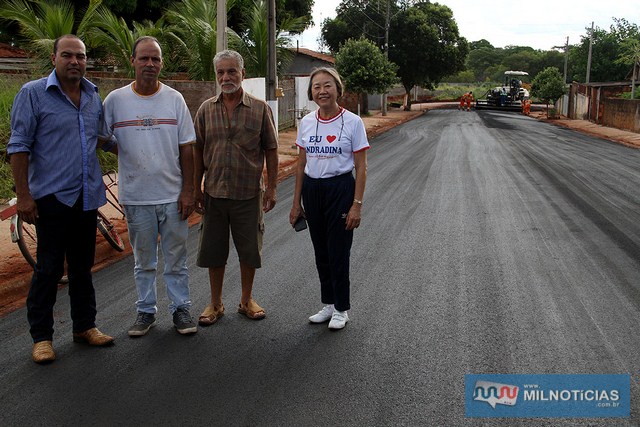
{"type": "Point", "coordinates": [235, 134]}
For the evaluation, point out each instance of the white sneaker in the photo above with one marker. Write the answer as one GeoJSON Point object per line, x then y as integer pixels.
{"type": "Point", "coordinates": [338, 320]}
{"type": "Point", "coordinates": [323, 315]}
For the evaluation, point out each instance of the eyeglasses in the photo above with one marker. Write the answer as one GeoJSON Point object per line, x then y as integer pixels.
{"type": "Point", "coordinates": [341, 124]}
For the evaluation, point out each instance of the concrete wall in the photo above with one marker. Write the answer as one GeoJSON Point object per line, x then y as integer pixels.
{"type": "Point", "coordinates": [601, 104]}
{"type": "Point", "coordinates": [622, 114]}
{"type": "Point", "coordinates": [562, 105]}
{"type": "Point", "coordinates": [581, 107]}
{"type": "Point", "coordinates": [194, 93]}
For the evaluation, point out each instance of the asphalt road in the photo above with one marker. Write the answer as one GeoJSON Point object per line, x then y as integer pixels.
{"type": "Point", "coordinates": [491, 243]}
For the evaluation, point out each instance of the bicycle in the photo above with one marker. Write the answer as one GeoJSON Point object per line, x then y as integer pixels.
{"type": "Point", "coordinates": [106, 227]}
{"type": "Point", "coordinates": [25, 236]}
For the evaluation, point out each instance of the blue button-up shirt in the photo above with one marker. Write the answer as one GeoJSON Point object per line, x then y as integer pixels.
{"type": "Point", "coordinates": [61, 141]}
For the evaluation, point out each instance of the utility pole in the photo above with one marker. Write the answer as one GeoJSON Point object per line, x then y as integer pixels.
{"type": "Point", "coordinates": [221, 33]}
{"type": "Point", "coordinates": [272, 77]}
{"type": "Point", "coordinates": [633, 79]}
{"type": "Point", "coordinates": [566, 56]}
{"type": "Point", "coordinates": [589, 57]}
{"type": "Point", "coordinates": [221, 25]}
{"type": "Point", "coordinates": [386, 51]}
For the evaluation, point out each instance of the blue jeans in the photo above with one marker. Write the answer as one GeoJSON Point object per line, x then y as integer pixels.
{"type": "Point", "coordinates": [145, 223]}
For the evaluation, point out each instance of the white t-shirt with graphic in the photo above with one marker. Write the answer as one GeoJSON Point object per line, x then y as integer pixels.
{"type": "Point", "coordinates": [329, 144]}
{"type": "Point", "coordinates": [148, 131]}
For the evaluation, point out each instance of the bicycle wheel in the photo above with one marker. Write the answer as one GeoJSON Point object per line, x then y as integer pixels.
{"type": "Point", "coordinates": [109, 232]}
{"type": "Point", "coordinates": [28, 243]}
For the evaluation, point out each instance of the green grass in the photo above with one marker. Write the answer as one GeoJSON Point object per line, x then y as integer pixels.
{"type": "Point", "coordinates": [8, 90]}
{"type": "Point", "coordinates": [9, 87]}
{"type": "Point", "coordinates": [449, 92]}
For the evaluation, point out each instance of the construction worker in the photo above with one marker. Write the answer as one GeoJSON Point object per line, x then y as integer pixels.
{"type": "Point", "coordinates": [463, 99]}
{"type": "Point", "coordinates": [469, 97]}
{"type": "Point", "coordinates": [526, 106]}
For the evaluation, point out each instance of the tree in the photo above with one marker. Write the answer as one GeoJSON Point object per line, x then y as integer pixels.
{"type": "Point", "coordinates": [41, 22]}
{"type": "Point", "coordinates": [115, 38]}
{"type": "Point", "coordinates": [355, 19]}
{"type": "Point", "coordinates": [254, 41]}
{"type": "Point", "coordinates": [426, 46]}
{"type": "Point", "coordinates": [481, 59]}
{"type": "Point", "coordinates": [364, 69]}
{"type": "Point", "coordinates": [286, 10]}
{"type": "Point", "coordinates": [194, 25]}
{"type": "Point", "coordinates": [606, 49]}
{"type": "Point", "coordinates": [631, 56]}
{"type": "Point", "coordinates": [137, 10]}
{"type": "Point", "coordinates": [548, 86]}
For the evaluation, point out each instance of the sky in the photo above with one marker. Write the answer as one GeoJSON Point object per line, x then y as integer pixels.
{"type": "Point", "coordinates": [540, 24]}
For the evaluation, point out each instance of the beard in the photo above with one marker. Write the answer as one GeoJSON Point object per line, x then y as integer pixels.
{"type": "Point", "coordinates": [229, 88]}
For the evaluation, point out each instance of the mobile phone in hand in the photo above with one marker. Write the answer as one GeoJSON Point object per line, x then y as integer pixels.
{"type": "Point", "coordinates": [300, 224]}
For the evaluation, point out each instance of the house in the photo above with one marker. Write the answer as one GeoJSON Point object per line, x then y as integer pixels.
{"type": "Point", "coordinates": [305, 60]}
{"type": "Point", "coordinates": [13, 59]}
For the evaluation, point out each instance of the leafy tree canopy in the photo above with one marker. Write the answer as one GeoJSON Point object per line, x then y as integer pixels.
{"type": "Point", "coordinates": [423, 37]}
{"type": "Point", "coordinates": [606, 50]}
{"type": "Point", "coordinates": [364, 68]}
{"type": "Point", "coordinates": [548, 85]}
{"type": "Point", "coordinates": [426, 46]}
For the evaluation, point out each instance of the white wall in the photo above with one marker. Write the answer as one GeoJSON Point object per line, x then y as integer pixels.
{"type": "Point", "coordinates": [562, 105]}
{"type": "Point", "coordinates": [582, 107]}
{"type": "Point", "coordinates": [256, 87]}
{"type": "Point", "coordinates": [302, 101]}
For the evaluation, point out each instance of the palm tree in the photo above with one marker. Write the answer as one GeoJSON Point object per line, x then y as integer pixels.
{"type": "Point", "coordinates": [255, 40]}
{"type": "Point", "coordinates": [113, 35]}
{"type": "Point", "coordinates": [42, 22]}
{"type": "Point", "coordinates": [194, 24]}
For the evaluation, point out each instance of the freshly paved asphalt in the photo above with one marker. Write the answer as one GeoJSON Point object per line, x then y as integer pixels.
{"type": "Point", "coordinates": [491, 243]}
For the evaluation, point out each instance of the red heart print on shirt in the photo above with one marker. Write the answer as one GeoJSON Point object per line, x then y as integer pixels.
{"type": "Point", "coordinates": [331, 138]}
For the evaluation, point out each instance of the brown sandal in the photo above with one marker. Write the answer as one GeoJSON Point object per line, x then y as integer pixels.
{"type": "Point", "coordinates": [210, 315]}
{"type": "Point", "coordinates": [252, 310]}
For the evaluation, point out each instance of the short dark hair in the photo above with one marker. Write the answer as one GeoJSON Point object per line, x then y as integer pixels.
{"type": "Point", "coordinates": [142, 39]}
{"type": "Point", "coordinates": [327, 70]}
{"type": "Point", "coordinates": [66, 36]}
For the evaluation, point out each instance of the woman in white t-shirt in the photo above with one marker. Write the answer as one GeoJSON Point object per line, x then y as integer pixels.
{"type": "Point", "coordinates": [332, 142]}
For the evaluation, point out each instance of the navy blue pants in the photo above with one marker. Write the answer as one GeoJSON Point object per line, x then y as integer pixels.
{"type": "Point", "coordinates": [63, 232]}
{"type": "Point", "coordinates": [326, 204]}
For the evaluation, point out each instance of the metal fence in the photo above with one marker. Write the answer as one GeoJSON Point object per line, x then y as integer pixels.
{"type": "Point", "coordinates": [287, 104]}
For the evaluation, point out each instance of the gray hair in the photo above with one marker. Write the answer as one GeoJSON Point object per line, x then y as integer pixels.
{"type": "Point", "coordinates": [229, 54]}
{"type": "Point", "coordinates": [333, 73]}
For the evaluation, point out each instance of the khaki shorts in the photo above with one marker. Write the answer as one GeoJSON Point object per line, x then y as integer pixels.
{"type": "Point", "coordinates": [245, 220]}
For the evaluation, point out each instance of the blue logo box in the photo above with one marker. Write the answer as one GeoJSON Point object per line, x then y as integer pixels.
{"type": "Point", "coordinates": [547, 395]}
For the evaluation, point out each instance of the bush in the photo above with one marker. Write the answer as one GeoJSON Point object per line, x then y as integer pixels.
{"type": "Point", "coordinates": [8, 90]}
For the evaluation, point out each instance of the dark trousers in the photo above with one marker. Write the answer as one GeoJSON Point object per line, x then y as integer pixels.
{"type": "Point", "coordinates": [63, 232]}
{"type": "Point", "coordinates": [326, 204]}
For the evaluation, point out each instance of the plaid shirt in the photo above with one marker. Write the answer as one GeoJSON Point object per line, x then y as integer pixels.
{"type": "Point", "coordinates": [234, 147]}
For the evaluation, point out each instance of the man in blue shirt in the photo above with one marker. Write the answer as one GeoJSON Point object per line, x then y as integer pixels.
{"type": "Point", "coordinates": [54, 133]}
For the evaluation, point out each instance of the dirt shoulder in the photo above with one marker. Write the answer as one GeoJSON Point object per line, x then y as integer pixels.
{"type": "Point", "coordinates": [628, 138]}
{"type": "Point", "coordinates": [15, 273]}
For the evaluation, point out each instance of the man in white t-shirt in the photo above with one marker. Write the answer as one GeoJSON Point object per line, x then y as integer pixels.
{"type": "Point", "coordinates": [153, 132]}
